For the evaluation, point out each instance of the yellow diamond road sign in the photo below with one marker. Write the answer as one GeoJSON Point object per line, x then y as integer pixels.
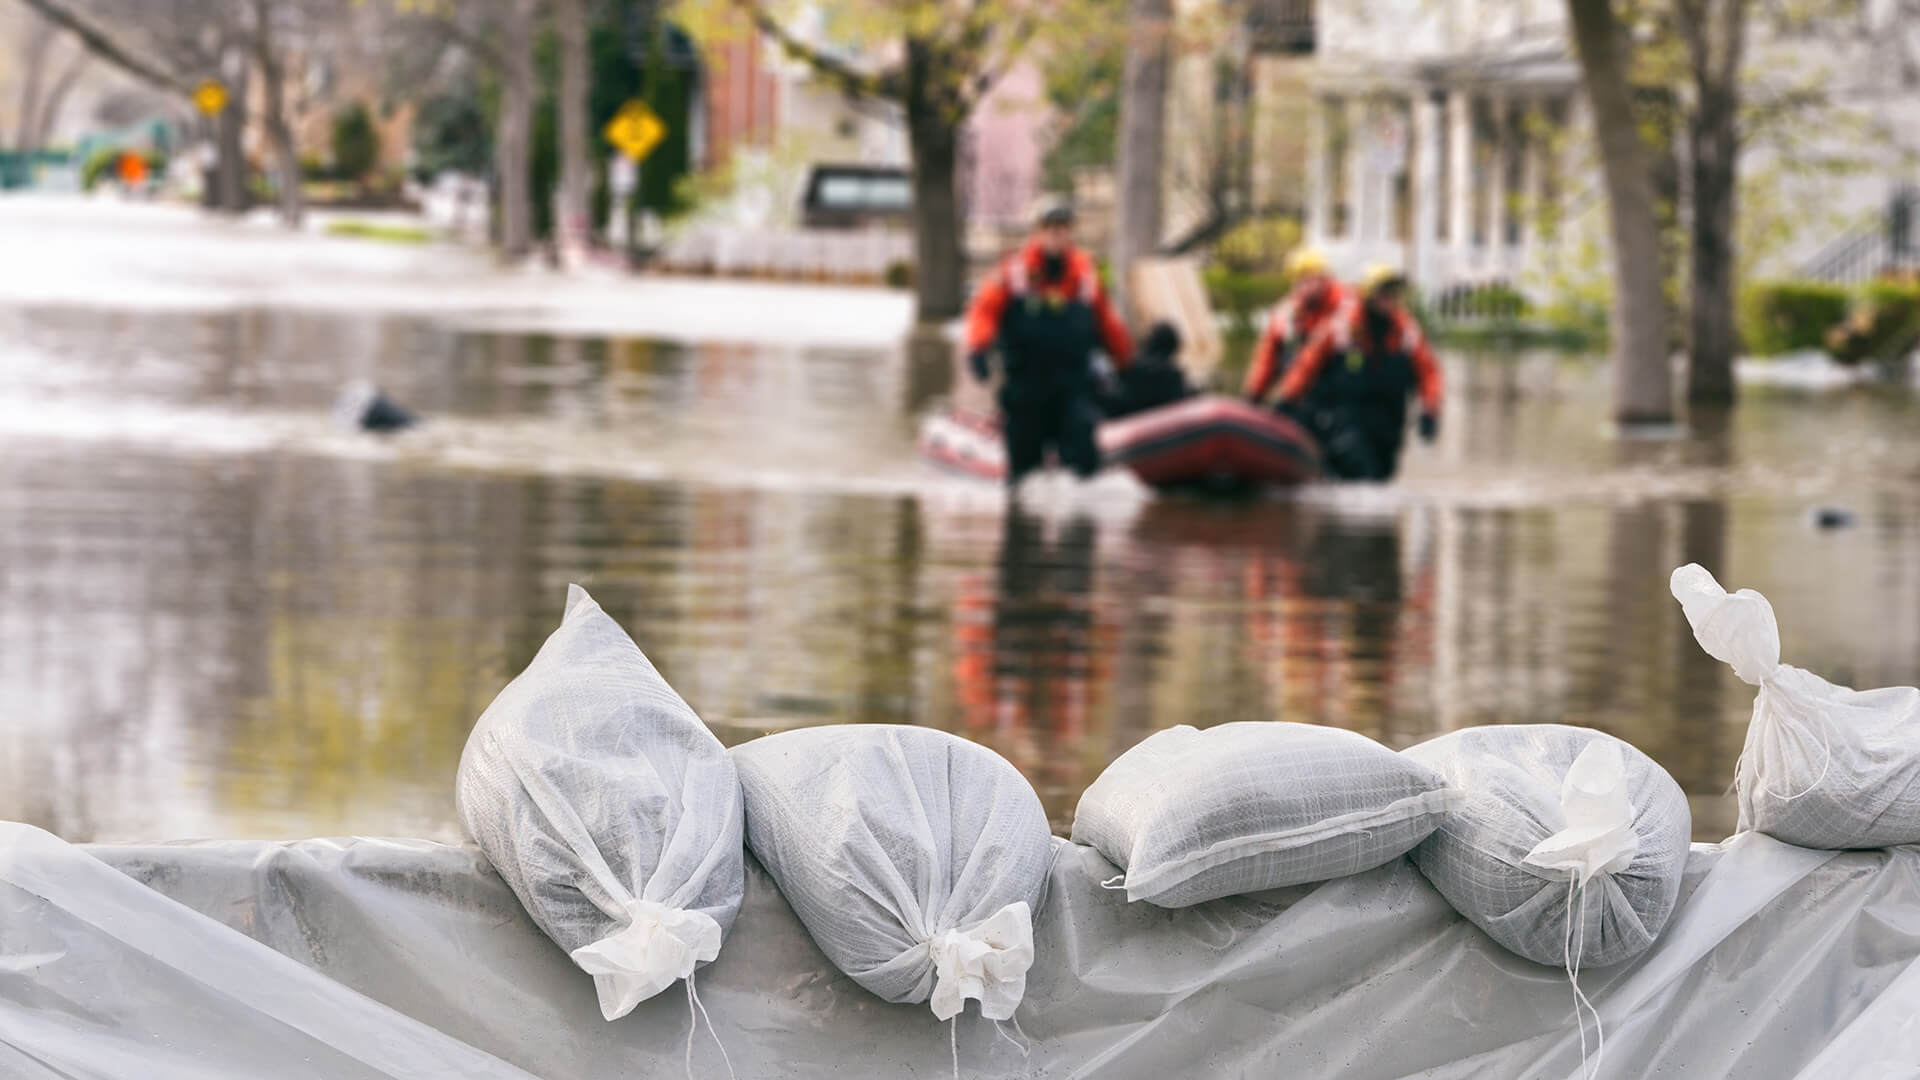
{"type": "Point", "coordinates": [210, 97]}
{"type": "Point", "coordinates": [635, 130]}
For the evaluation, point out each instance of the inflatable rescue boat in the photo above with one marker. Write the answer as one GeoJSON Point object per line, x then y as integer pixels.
{"type": "Point", "coordinates": [1206, 442]}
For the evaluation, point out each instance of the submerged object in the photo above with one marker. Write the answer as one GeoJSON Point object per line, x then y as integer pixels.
{"type": "Point", "coordinates": [1833, 517]}
{"type": "Point", "coordinates": [365, 406]}
{"type": "Point", "coordinates": [1209, 442]}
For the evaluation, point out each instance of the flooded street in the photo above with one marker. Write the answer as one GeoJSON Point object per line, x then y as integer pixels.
{"type": "Point", "coordinates": [220, 615]}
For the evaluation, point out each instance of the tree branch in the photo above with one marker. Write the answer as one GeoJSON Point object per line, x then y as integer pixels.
{"type": "Point", "coordinates": [1733, 33]}
{"type": "Point", "coordinates": [1761, 116]}
{"type": "Point", "coordinates": [100, 44]}
{"type": "Point", "coordinates": [1018, 36]}
{"type": "Point", "coordinates": [886, 84]}
{"type": "Point", "coordinates": [57, 97]}
{"type": "Point", "coordinates": [486, 51]}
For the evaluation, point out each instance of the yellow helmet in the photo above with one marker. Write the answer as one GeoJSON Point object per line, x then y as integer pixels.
{"type": "Point", "coordinates": [1303, 261]}
{"type": "Point", "coordinates": [1381, 275]}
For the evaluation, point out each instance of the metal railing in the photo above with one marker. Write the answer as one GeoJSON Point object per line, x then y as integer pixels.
{"type": "Point", "coordinates": [1480, 302]}
{"type": "Point", "coordinates": [1887, 243]}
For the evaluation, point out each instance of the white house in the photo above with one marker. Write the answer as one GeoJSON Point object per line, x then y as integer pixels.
{"type": "Point", "coordinates": [1438, 132]}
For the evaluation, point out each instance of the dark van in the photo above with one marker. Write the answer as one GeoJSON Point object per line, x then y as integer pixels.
{"type": "Point", "coordinates": [856, 196]}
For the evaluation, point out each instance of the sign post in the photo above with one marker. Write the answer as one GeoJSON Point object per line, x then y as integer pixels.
{"type": "Point", "coordinates": [636, 130]}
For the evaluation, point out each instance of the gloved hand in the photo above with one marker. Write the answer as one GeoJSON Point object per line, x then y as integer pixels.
{"type": "Point", "coordinates": [978, 364]}
{"type": "Point", "coordinates": [1429, 426]}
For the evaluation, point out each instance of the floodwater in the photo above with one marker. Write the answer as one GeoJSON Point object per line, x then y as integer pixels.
{"type": "Point", "coordinates": [221, 616]}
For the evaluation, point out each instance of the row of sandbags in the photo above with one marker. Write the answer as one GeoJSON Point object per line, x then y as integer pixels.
{"type": "Point", "coordinates": [916, 859]}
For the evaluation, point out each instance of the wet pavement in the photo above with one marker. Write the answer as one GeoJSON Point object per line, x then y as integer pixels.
{"type": "Point", "coordinates": [222, 616]}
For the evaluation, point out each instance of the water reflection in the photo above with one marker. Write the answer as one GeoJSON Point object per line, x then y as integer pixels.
{"type": "Point", "coordinates": [1031, 651]}
{"type": "Point", "coordinates": [293, 638]}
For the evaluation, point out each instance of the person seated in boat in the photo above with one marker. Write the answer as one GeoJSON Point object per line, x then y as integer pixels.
{"type": "Point", "coordinates": [1350, 384]}
{"type": "Point", "coordinates": [1153, 379]}
{"type": "Point", "coordinates": [1044, 310]}
{"type": "Point", "coordinates": [1315, 296]}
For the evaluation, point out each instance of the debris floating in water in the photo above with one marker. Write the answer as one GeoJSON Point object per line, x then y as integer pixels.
{"type": "Point", "coordinates": [1833, 517]}
{"type": "Point", "coordinates": [365, 406]}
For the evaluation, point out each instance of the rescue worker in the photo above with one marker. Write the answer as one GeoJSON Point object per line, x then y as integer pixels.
{"type": "Point", "coordinates": [1315, 296]}
{"type": "Point", "coordinates": [1044, 309]}
{"type": "Point", "coordinates": [1351, 382]}
{"type": "Point", "coordinates": [1153, 379]}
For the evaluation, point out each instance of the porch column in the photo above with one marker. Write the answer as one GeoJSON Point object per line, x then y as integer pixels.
{"type": "Point", "coordinates": [1497, 192]}
{"type": "Point", "coordinates": [1427, 138]}
{"type": "Point", "coordinates": [1359, 228]}
{"type": "Point", "coordinates": [1533, 177]}
{"type": "Point", "coordinates": [1577, 181]}
{"type": "Point", "coordinates": [1460, 167]}
{"type": "Point", "coordinates": [1319, 174]}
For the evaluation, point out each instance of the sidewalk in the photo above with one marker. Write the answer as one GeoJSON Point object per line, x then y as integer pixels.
{"type": "Point", "coordinates": [99, 252]}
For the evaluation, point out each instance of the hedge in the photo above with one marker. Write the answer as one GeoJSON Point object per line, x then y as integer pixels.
{"type": "Point", "coordinates": [1787, 316]}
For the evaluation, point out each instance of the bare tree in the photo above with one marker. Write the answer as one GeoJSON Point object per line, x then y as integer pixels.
{"type": "Point", "coordinates": [55, 99]}
{"type": "Point", "coordinates": [576, 162]}
{"type": "Point", "coordinates": [263, 37]}
{"type": "Point", "coordinates": [172, 44]}
{"type": "Point", "coordinates": [944, 57]}
{"type": "Point", "coordinates": [35, 53]}
{"type": "Point", "coordinates": [1143, 115]}
{"type": "Point", "coordinates": [499, 35]}
{"type": "Point", "coordinates": [68, 16]}
{"type": "Point", "coordinates": [1643, 379]}
{"type": "Point", "coordinates": [1715, 33]}
{"type": "Point", "coordinates": [514, 144]}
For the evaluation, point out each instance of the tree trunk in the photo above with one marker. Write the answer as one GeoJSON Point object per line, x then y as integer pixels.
{"type": "Point", "coordinates": [1713, 339]}
{"type": "Point", "coordinates": [38, 45]}
{"type": "Point", "coordinates": [56, 99]}
{"type": "Point", "coordinates": [576, 162]}
{"type": "Point", "coordinates": [933, 136]}
{"type": "Point", "coordinates": [286, 157]}
{"type": "Point", "coordinates": [1715, 45]}
{"type": "Point", "coordinates": [1662, 132]}
{"type": "Point", "coordinates": [1643, 380]}
{"type": "Point", "coordinates": [1143, 115]}
{"type": "Point", "coordinates": [230, 175]}
{"type": "Point", "coordinates": [513, 152]}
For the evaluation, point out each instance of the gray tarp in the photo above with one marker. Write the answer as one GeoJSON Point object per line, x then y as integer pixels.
{"type": "Point", "coordinates": [371, 958]}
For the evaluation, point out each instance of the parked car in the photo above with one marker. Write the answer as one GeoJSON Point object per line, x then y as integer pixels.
{"type": "Point", "coordinates": [856, 196]}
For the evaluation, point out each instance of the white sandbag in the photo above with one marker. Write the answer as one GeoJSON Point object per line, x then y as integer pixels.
{"type": "Point", "coordinates": [1824, 766]}
{"type": "Point", "coordinates": [915, 858]}
{"type": "Point", "coordinates": [609, 808]}
{"type": "Point", "coordinates": [1196, 815]}
{"type": "Point", "coordinates": [1569, 847]}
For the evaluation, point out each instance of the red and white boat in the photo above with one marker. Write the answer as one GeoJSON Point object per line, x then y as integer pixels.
{"type": "Point", "coordinates": [1208, 442]}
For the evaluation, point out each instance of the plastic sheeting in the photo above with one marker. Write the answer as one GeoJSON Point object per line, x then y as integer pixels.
{"type": "Point", "coordinates": [371, 958]}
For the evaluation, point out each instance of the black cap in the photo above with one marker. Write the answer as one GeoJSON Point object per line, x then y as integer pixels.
{"type": "Point", "coordinates": [1054, 212]}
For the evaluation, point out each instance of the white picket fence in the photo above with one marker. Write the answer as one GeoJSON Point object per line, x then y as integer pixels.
{"type": "Point", "coordinates": [862, 255]}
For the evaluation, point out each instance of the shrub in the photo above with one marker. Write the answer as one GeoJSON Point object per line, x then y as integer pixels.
{"type": "Point", "coordinates": [104, 163]}
{"type": "Point", "coordinates": [1783, 316]}
{"type": "Point", "coordinates": [1885, 321]}
{"type": "Point", "coordinates": [98, 164]}
{"type": "Point", "coordinates": [899, 274]}
{"type": "Point", "coordinates": [356, 145]}
{"type": "Point", "coordinates": [1258, 246]}
{"type": "Point", "coordinates": [1242, 295]}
